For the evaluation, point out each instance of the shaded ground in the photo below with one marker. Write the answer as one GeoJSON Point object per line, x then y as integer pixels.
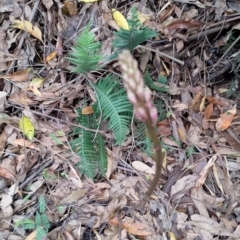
{"type": "Point", "coordinates": [195, 57]}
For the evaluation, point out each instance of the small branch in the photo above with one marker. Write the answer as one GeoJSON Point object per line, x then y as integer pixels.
{"type": "Point", "coordinates": [162, 54]}
{"type": "Point", "coordinates": [30, 178]}
{"type": "Point", "coordinates": [225, 53]}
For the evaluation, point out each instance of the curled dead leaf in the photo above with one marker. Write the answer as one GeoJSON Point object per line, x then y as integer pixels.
{"type": "Point", "coordinates": [225, 120]}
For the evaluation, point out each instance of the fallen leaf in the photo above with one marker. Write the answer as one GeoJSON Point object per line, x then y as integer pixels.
{"type": "Point", "coordinates": [87, 110]}
{"type": "Point", "coordinates": [51, 56]}
{"type": "Point", "coordinates": [132, 226]}
{"type": "Point", "coordinates": [208, 111]}
{"type": "Point", "coordinates": [27, 26]}
{"type": "Point", "coordinates": [69, 8]}
{"type": "Point", "coordinates": [142, 167]}
{"type": "Point", "coordinates": [24, 143]}
{"type": "Point", "coordinates": [142, 17]}
{"type": "Point", "coordinates": [74, 196]}
{"type": "Point", "coordinates": [35, 84]}
{"type": "Point", "coordinates": [88, 1]}
{"type": "Point", "coordinates": [203, 174]}
{"type": "Point", "coordinates": [26, 127]}
{"type": "Point", "coordinates": [225, 120]}
{"type": "Point", "coordinates": [20, 76]}
{"type": "Point", "coordinates": [182, 24]}
{"type": "Point", "coordinates": [21, 98]}
{"type": "Point", "coordinates": [120, 19]}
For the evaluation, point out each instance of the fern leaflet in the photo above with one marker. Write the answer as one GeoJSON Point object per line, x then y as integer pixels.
{"type": "Point", "coordinates": [129, 39]}
{"type": "Point", "coordinates": [85, 53]}
{"type": "Point", "coordinates": [116, 108]}
{"type": "Point", "coordinates": [90, 150]}
{"type": "Point", "coordinates": [142, 140]}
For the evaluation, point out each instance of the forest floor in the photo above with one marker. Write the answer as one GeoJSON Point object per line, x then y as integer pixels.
{"type": "Point", "coordinates": [194, 57]}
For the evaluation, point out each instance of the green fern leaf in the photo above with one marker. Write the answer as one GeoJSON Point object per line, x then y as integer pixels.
{"type": "Point", "coordinates": [42, 204]}
{"type": "Point", "coordinates": [102, 154]}
{"type": "Point", "coordinates": [85, 53]}
{"type": "Point", "coordinates": [129, 39]}
{"type": "Point", "coordinates": [45, 222]}
{"type": "Point", "coordinates": [29, 226]}
{"type": "Point", "coordinates": [115, 107]}
{"type": "Point", "coordinates": [150, 83]}
{"type": "Point", "coordinates": [40, 233]}
{"type": "Point", "coordinates": [38, 220]}
{"type": "Point", "coordinates": [142, 140]}
{"type": "Point", "coordinates": [85, 147]}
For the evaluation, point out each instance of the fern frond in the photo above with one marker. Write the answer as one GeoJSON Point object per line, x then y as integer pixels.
{"type": "Point", "coordinates": [115, 107]}
{"type": "Point", "coordinates": [85, 147]}
{"type": "Point", "coordinates": [129, 39]}
{"type": "Point", "coordinates": [45, 222]}
{"type": "Point", "coordinates": [38, 221]}
{"type": "Point", "coordinates": [40, 233]}
{"type": "Point", "coordinates": [85, 53]}
{"type": "Point", "coordinates": [42, 204]}
{"type": "Point", "coordinates": [150, 83]}
{"type": "Point", "coordinates": [29, 226]}
{"type": "Point", "coordinates": [102, 154]}
{"type": "Point", "coordinates": [142, 140]}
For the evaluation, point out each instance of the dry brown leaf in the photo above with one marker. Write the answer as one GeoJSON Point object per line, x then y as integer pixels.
{"type": "Point", "coordinates": [196, 102]}
{"type": "Point", "coordinates": [198, 199]}
{"type": "Point", "coordinates": [47, 3]}
{"type": "Point", "coordinates": [21, 76]}
{"type": "Point", "coordinates": [182, 24]}
{"type": "Point", "coordinates": [218, 101]}
{"type": "Point", "coordinates": [27, 26]}
{"type": "Point", "coordinates": [225, 120]}
{"type": "Point", "coordinates": [204, 172]}
{"type": "Point", "coordinates": [25, 143]}
{"type": "Point", "coordinates": [51, 56]}
{"type": "Point", "coordinates": [74, 196]}
{"type": "Point", "coordinates": [21, 98]}
{"type": "Point", "coordinates": [87, 110]}
{"type": "Point", "coordinates": [5, 173]}
{"type": "Point", "coordinates": [132, 226]}
{"type": "Point", "coordinates": [142, 167]}
{"type": "Point", "coordinates": [170, 142]}
{"type": "Point", "coordinates": [183, 185]}
{"type": "Point", "coordinates": [208, 111]}
{"type": "Point", "coordinates": [216, 176]}
{"type": "Point", "coordinates": [163, 128]}
{"type": "Point", "coordinates": [70, 8]}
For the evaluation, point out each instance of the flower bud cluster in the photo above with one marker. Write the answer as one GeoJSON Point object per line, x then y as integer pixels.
{"type": "Point", "coordinates": [138, 95]}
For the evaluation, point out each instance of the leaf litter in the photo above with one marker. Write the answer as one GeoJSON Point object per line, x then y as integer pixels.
{"type": "Point", "coordinates": [198, 192]}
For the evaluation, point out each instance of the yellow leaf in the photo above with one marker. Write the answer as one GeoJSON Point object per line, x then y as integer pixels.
{"type": "Point", "coordinates": [120, 19]}
{"type": "Point", "coordinates": [31, 236]}
{"type": "Point", "coordinates": [35, 84]}
{"type": "Point", "coordinates": [27, 26]}
{"type": "Point", "coordinates": [142, 17]}
{"type": "Point", "coordinates": [88, 1]}
{"type": "Point", "coordinates": [51, 56]}
{"type": "Point", "coordinates": [26, 127]}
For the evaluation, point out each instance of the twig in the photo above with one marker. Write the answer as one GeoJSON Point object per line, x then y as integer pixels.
{"type": "Point", "coordinates": [226, 52]}
{"type": "Point", "coordinates": [162, 54]}
{"type": "Point", "coordinates": [45, 165]}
